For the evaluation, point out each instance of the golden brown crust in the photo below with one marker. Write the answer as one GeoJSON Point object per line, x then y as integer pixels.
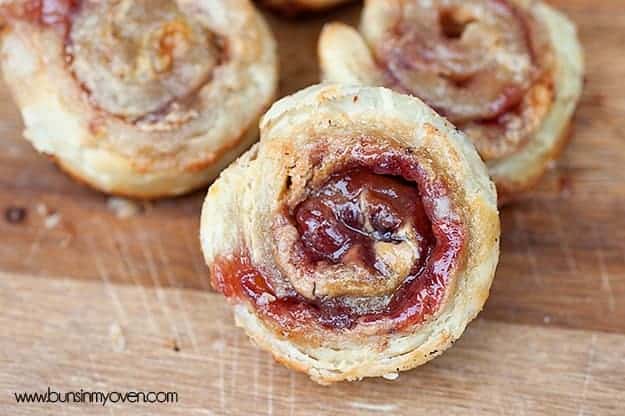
{"type": "Point", "coordinates": [523, 169]}
{"type": "Point", "coordinates": [509, 193]}
{"type": "Point", "coordinates": [348, 57]}
{"type": "Point", "coordinates": [193, 177]}
{"type": "Point", "coordinates": [306, 138]}
{"type": "Point", "coordinates": [105, 122]}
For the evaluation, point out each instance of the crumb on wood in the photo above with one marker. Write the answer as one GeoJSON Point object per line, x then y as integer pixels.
{"type": "Point", "coordinates": [117, 337]}
{"type": "Point", "coordinates": [52, 220]}
{"type": "Point", "coordinates": [123, 208]}
{"type": "Point", "coordinates": [173, 344]}
{"type": "Point", "coordinates": [15, 215]}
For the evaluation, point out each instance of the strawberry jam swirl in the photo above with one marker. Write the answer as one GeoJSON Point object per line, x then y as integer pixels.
{"type": "Point", "coordinates": [375, 246]}
{"type": "Point", "coordinates": [480, 63]}
{"type": "Point", "coordinates": [141, 61]}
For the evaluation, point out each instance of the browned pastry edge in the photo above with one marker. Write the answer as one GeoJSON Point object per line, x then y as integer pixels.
{"type": "Point", "coordinates": [509, 193]}
{"type": "Point", "coordinates": [246, 139]}
{"type": "Point", "coordinates": [240, 208]}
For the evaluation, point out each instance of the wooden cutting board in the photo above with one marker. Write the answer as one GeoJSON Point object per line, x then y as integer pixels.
{"type": "Point", "coordinates": [93, 301]}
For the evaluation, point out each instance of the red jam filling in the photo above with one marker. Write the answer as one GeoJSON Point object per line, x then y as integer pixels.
{"type": "Point", "coordinates": [395, 189]}
{"type": "Point", "coordinates": [417, 51]}
{"type": "Point", "coordinates": [353, 210]}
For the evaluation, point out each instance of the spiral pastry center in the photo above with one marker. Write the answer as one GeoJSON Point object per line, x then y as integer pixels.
{"type": "Point", "coordinates": [372, 241]}
{"type": "Point", "coordinates": [372, 224]}
{"type": "Point", "coordinates": [470, 59]}
{"type": "Point", "coordinates": [137, 56]}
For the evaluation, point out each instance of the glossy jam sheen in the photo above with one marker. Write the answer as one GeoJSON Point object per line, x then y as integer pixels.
{"type": "Point", "coordinates": [421, 294]}
{"type": "Point", "coordinates": [353, 210]}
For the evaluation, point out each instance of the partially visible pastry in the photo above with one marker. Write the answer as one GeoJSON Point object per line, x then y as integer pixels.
{"type": "Point", "coordinates": [507, 72]}
{"type": "Point", "coordinates": [296, 7]}
{"type": "Point", "coordinates": [358, 238]}
{"type": "Point", "coordinates": [145, 98]}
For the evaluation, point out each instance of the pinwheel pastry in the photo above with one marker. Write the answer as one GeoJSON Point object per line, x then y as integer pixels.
{"type": "Point", "coordinates": [506, 72]}
{"type": "Point", "coordinates": [296, 7]}
{"type": "Point", "coordinates": [358, 238]}
{"type": "Point", "coordinates": [145, 98]}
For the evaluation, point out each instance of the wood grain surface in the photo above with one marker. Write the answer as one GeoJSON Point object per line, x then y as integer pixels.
{"type": "Point", "coordinates": [94, 301]}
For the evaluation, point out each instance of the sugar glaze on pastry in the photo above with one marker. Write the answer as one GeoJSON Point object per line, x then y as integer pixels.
{"type": "Point", "coordinates": [358, 238]}
{"type": "Point", "coordinates": [507, 72]}
{"type": "Point", "coordinates": [145, 98]}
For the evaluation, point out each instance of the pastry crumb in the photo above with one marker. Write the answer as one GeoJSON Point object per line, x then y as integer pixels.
{"type": "Point", "coordinates": [117, 337]}
{"type": "Point", "coordinates": [123, 208]}
{"type": "Point", "coordinates": [52, 220]}
{"type": "Point", "coordinates": [173, 344]}
{"type": "Point", "coordinates": [391, 376]}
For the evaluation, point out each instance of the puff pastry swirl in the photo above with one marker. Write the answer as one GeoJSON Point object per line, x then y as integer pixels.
{"type": "Point", "coordinates": [145, 98]}
{"type": "Point", "coordinates": [358, 238]}
{"type": "Point", "coordinates": [507, 72]}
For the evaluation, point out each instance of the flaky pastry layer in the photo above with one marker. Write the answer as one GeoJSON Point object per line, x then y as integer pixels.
{"type": "Point", "coordinates": [305, 138]}
{"type": "Point", "coordinates": [348, 56]}
{"type": "Point", "coordinates": [139, 98]}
